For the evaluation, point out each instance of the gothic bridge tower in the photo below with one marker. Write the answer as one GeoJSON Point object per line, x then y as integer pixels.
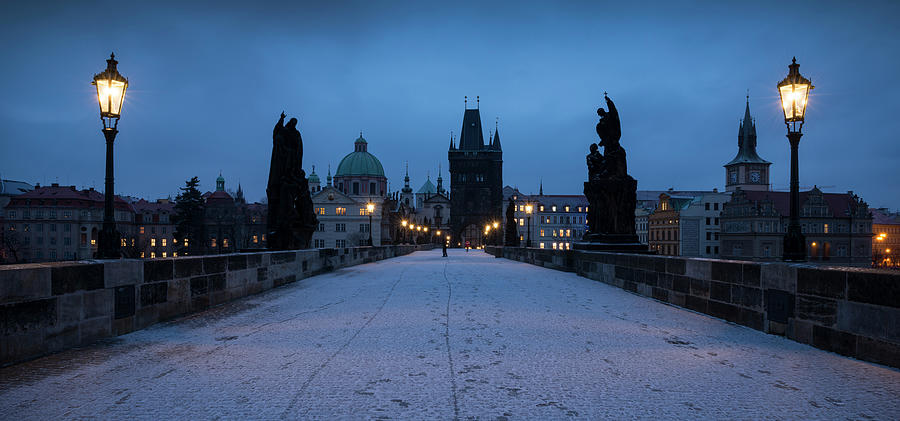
{"type": "Point", "coordinates": [747, 170]}
{"type": "Point", "coordinates": [476, 181]}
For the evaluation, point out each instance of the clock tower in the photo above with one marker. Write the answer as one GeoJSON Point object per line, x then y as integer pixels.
{"type": "Point", "coordinates": [747, 170]}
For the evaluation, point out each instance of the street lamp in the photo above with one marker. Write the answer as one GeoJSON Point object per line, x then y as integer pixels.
{"type": "Point", "coordinates": [496, 232]}
{"type": "Point", "coordinates": [528, 209]}
{"type": "Point", "coordinates": [370, 208]}
{"type": "Point", "coordinates": [111, 86]}
{"type": "Point", "coordinates": [403, 222]}
{"type": "Point", "coordinates": [794, 92]}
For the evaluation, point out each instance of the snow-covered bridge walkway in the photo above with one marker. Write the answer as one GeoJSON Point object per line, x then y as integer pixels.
{"type": "Point", "coordinates": [426, 337]}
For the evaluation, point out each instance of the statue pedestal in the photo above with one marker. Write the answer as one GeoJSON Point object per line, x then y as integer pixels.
{"type": "Point", "coordinates": [611, 216]}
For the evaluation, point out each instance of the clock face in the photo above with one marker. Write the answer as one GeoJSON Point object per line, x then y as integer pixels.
{"type": "Point", "coordinates": [733, 177]}
{"type": "Point", "coordinates": [754, 176]}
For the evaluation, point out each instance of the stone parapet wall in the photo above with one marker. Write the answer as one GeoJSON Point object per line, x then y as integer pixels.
{"type": "Point", "coordinates": [50, 307]}
{"type": "Point", "coordinates": [850, 311]}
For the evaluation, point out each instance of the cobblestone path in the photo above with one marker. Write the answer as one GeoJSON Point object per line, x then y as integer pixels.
{"type": "Point", "coordinates": [469, 336]}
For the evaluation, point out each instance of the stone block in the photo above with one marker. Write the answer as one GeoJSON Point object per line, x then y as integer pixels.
{"type": "Point", "coordinates": [94, 329]}
{"type": "Point", "coordinates": [152, 294]}
{"type": "Point", "coordinates": [254, 260]}
{"type": "Point", "coordinates": [675, 266]}
{"type": "Point", "coordinates": [70, 310]}
{"type": "Point", "coordinates": [776, 328]}
{"type": "Point", "coordinates": [698, 269]}
{"type": "Point", "coordinates": [750, 274]}
{"type": "Point", "coordinates": [834, 340]}
{"type": "Point", "coordinates": [123, 272]}
{"type": "Point", "coordinates": [146, 316]}
{"type": "Point", "coordinates": [69, 278]}
{"type": "Point", "coordinates": [179, 291]}
{"type": "Point", "coordinates": [158, 270]}
{"type": "Point", "coordinates": [698, 304]}
{"type": "Point", "coordinates": [262, 274]}
{"type": "Point", "coordinates": [869, 320]}
{"type": "Point", "coordinates": [239, 278]}
{"type": "Point", "coordinates": [874, 288]}
{"type": "Point", "coordinates": [800, 331]}
{"type": "Point", "coordinates": [816, 309]}
{"type": "Point", "coordinates": [277, 282]}
{"type": "Point", "coordinates": [778, 276]}
{"type": "Point", "coordinates": [199, 302]}
{"type": "Point", "coordinates": [677, 299]}
{"type": "Point", "coordinates": [727, 272]}
{"type": "Point", "coordinates": [822, 282]}
{"type": "Point", "coordinates": [878, 351]}
{"type": "Point", "coordinates": [720, 291]}
{"type": "Point", "coordinates": [61, 339]}
{"type": "Point", "coordinates": [681, 284]}
{"type": "Point", "coordinates": [624, 273]}
{"type": "Point", "coordinates": [123, 326]}
{"type": "Point", "coordinates": [24, 284]}
{"type": "Point", "coordinates": [645, 290]}
{"type": "Point", "coordinates": [186, 267]}
{"type": "Point", "coordinates": [661, 294]}
{"type": "Point", "coordinates": [725, 311]}
{"type": "Point", "coordinates": [629, 286]}
{"type": "Point", "coordinates": [237, 262]}
{"type": "Point", "coordinates": [98, 303]}
{"type": "Point", "coordinates": [28, 316]}
{"type": "Point", "coordinates": [199, 285]}
{"type": "Point", "coordinates": [217, 282]}
{"type": "Point", "coordinates": [779, 305]}
{"type": "Point", "coordinates": [665, 281]}
{"type": "Point", "coordinates": [752, 319]}
{"type": "Point", "coordinates": [214, 265]}
{"type": "Point", "coordinates": [285, 257]}
{"type": "Point", "coordinates": [700, 287]}
{"type": "Point", "coordinates": [746, 296]}
{"type": "Point", "coordinates": [125, 300]}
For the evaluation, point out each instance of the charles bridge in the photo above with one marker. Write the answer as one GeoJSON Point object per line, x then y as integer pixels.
{"type": "Point", "coordinates": [401, 332]}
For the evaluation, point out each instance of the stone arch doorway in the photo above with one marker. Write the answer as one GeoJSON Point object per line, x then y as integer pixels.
{"type": "Point", "coordinates": [473, 234]}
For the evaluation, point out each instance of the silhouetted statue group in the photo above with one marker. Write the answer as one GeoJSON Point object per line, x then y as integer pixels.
{"type": "Point", "coordinates": [611, 192]}
{"type": "Point", "coordinates": [291, 220]}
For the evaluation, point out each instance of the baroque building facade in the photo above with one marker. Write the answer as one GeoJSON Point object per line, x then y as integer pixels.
{"type": "Point", "coordinates": [837, 226]}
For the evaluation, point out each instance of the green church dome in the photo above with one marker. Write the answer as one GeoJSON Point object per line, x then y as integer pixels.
{"type": "Point", "coordinates": [360, 162]}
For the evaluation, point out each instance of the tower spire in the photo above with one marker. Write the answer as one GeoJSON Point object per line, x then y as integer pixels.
{"type": "Point", "coordinates": [541, 188]}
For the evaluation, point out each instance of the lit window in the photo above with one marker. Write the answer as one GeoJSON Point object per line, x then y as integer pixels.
{"type": "Point", "coordinates": [568, 246]}
{"type": "Point", "coordinates": [362, 212]}
{"type": "Point", "coordinates": [212, 242]}
{"type": "Point", "coordinates": [521, 222]}
{"type": "Point", "coordinates": [93, 241]}
{"type": "Point", "coordinates": [542, 245]}
{"type": "Point", "coordinates": [185, 242]}
{"type": "Point", "coordinates": [320, 211]}
{"type": "Point", "coordinates": [152, 254]}
{"type": "Point", "coordinates": [255, 239]}
{"type": "Point", "coordinates": [553, 208]}
{"type": "Point", "coordinates": [826, 228]}
{"type": "Point", "coordinates": [264, 237]}
{"type": "Point", "coordinates": [542, 208]}
{"type": "Point", "coordinates": [152, 242]}
{"type": "Point", "coordinates": [225, 242]}
{"type": "Point", "coordinates": [567, 208]}
{"type": "Point", "coordinates": [163, 254]}
{"type": "Point", "coordinates": [174, 254]}
{"type": "Point", "coordinates": [142, 255]}
{"type": "Point", "coordinates": [568, 233]}
{"type": "Point", "coordinates": [542, 233]}
{"type": "Point", "coordinates": [340, 211]}
{"type": "Point", "coordinates": [142, 230]}
{"type": "Point", "coordinates": [124, 242]}
{"type": "Point", "coordinates": [554, 234]}
{"type": "Point", "coordinates": [164, 243]}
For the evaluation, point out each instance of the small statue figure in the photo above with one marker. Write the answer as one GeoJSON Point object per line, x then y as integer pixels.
{"type": "Point", "coordinates": [595, 163]}
{"type": "Point", "coordinates": [512, 234]}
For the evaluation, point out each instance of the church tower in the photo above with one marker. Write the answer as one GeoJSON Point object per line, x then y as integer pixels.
{"type": "Point", "coordinates": [476, 181]}
{"type": "Point", "coordinates": [747, 170]}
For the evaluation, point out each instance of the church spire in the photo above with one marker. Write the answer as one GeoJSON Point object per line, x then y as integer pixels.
{"type": "Point", "coordinates": [406, 188]}
{"type": "Point", "coordinates": [496, 143]}
{"type": "Point", "coordinates": [541, 188]}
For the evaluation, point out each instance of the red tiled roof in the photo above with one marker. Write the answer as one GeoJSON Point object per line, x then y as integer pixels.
{"type": "Point", "coordinates": [145, 206]}
{"type": "Point", "coordinates": [883, 218]}
{"type": "Point", "coordinates": [67, 196]}
{"type": "Point", "coordinates": [839, 203]}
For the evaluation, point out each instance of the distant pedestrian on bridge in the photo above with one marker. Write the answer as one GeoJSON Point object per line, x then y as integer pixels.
{"type": "Point", "coordinates": [444, 248]}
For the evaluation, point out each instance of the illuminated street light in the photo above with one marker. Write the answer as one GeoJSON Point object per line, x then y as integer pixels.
{"type": "Point", "coordinates": [370, 208]}
{"type": "Point", "coordinates": [111, 86]}
{"type": "Point", "coordinates": [794, 91]}
{"type": "Point", "coordinates": [528, 209]}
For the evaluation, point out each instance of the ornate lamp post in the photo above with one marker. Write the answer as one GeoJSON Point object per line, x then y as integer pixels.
{"type": "Point", "coordinates": [111, 87]}
{"type": "Point", "coordinates": [370, 208]}
{"type": "Point", "coordinates": [528, 209]}
{"type": "Point", "coordinates": [794, 92]}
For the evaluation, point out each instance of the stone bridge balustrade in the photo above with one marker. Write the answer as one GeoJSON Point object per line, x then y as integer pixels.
{"type": "Point", "coordinates": [850, 311]}
{"type": "Point", "coordinates": [49, 307]}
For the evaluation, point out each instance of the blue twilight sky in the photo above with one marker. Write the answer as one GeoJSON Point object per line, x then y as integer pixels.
{"type": "Point", "coordinates": [208, 81]}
